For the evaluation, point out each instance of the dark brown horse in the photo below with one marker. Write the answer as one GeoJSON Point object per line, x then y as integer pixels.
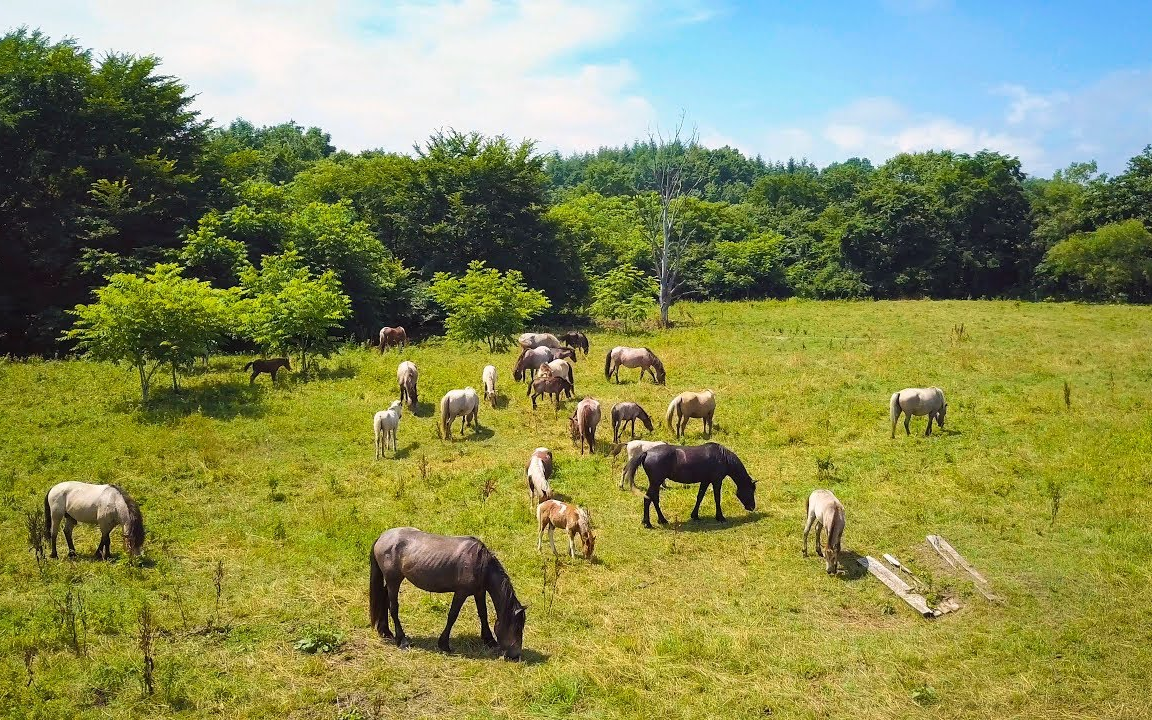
{"type": "Point", "coordinates": [390, 336]}
{"type": "Point", "coordinates": [577, 340]}
{"type": "Point", "coordinates": [628, 412]}
{"type": "Point", "coordinates": [552, 385]}
{"type": "Point", "coordinates": [443, 564]}
{"type": "Point", "coordinates": [564, 353]}
{"type": "Point", "coordinates": [270, 366]}
{"type": "Point", "coordinates": [707, 464]}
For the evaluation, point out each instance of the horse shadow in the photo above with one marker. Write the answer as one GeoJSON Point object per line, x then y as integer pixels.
{"type": "Point", "coordinates": [850, 569]}
{"type": "Point", "coordinates": [405, 451]}
{"type": "Point", "coordinates": [423, 409]}
{"type": "Point", "coordinates": [470, 646]}
{"type": "Point", "coordinates": [342, 371]}
{"type": "Point", "coordinates": [221, 401]}
{"type": "Point", "coordinates": [708, 524]}
{"type": "Point", "coordinates": [501, 401]}
{"type": "Point", "coordinates": [478, 433]}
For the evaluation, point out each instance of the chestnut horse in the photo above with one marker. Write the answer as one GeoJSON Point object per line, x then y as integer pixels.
{"type": "Point", "coordinates": [270, 366]}
{"type": "Point", "coordinates": [553, 385]}
{"type": "Point", "coordinates": [583, 423]}
{"type": "Point", "coordinates": [552, 514]}
{"type": "Point", "coordinates": [631, 357]}
{"type": "Point", "coordinates": [390, 336]}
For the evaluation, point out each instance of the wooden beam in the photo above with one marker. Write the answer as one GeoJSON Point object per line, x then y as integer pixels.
{"type": "Point", "coordinates": [896, 585]}
{"type": "Point", "coordinates": [957, 561]}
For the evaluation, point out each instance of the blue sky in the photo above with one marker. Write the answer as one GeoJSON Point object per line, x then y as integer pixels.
{"type": "Point", "coordinates": [1052, 82]}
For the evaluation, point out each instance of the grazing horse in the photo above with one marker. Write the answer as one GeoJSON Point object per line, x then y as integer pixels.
{"type": "Point", "coordinates": [105, 506]}
{"type": "Point", "coordinates": [443, 564]}
{"type": "Point", "coordinates": [564, 353]}
{"type": "Point", "coordinates": [707, 464]}
{"type": "Point", "coordinates": [270, 366]}
{"type": "Point", "coordinates": [552, 514]}
{"type": "Point", "coordinates": [583, 423]}
{"type": "Point", "coordinates": [825, 512]}
{"type": "Point", "coordinates": [527, 341]}
{"type": "Point", "coordinates": [530, 361]}
{"type": "Point", "coordinates": [628, 412]}
{"type": "Point", "coordinates": [406, 376]}
{"type": "Point", "coordinates": [635, 448]}
{"type": "Point", "coordinates": [559, 368]}
{"type": "Point", "coordinates": [553, 385]}
{"type": "Point", "coordinates": [464, 404]}
{"type": "Point", "coordinates": [688, 405]}
{"type": "Point", "coordinates": [577, 340]}
{"type": "Point", "coordinates": [918, 401]}
{"type": "Point", "coordinates": [384, 426]}
{"type": "Point", "coordinates": [488, 378]}
{"type": "Point", "coordinates": [539, 471]}
{"type": "Point", "coordinates": [390, 336]}
{"type": "Point", "coordinates": [630, 357]}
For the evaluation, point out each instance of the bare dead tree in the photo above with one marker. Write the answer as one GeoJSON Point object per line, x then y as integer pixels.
{"type": "Point", "coordinates": [672, 175]}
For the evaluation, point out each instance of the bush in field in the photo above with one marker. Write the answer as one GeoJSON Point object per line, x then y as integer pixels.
{"type": "Point", "coordinates": [486, 306]}
{"type": "Point", "coordinates": [1112, 263]}
{"type": "Point", "coordinates": [288, 309]}
{"type": "Point", "coordinates": [625, 294]}
{"type": "Point", "coordinates": [151, 321]}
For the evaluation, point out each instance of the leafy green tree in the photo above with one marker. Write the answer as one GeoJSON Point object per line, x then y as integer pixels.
{"type": "Point", "coordinates": [1112, 263]}
{"type": "Point", "coordinates": [624, 294]}
{"type": "Point", "coordinates": [151, 321]}
{"type": "Point", "coordinates": [98, 154]}
{"type": "Point", "coordinates": [746, 269]}
{"type": "Point", "coordinates": [484, 305]}
{"type": "Point", "coordinates": [606, 230]}
{"type": "Point", "coordinates": [286, 308]}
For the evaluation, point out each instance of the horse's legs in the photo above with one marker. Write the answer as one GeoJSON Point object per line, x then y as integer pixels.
{"type": "Point", "coordinates": [394, 607]}
{"type": "Point", "coordinates": [632, 429]}
{"type": "Point", "coordinates": [571, 543]}
{"type": "Point", "coordinates": [55, 530]}
{"type": "Point", "coordinates": [807, 528]}
{"type": "Point", "coordinates": [482, 613]}
{"type": "Point", "coordinates": [819, 527]}
{"type": "Point", "coordinates": [552, 538]}
{"type": "Point", "coordinates": [69, 523]}
{"type": "Point", "coordinates": [928, 430]}
{"type": "Point", "coordinates": [453, 612]}
{"type": "Point", "coordinates": [907, 423]}
{"type": "Point", "coordinates": [716, 495]}
{"type": "Point", "coordinates": [699, 499]}
{"type": "Point", "coordinates": [708, 425]}
{"type": "Point", "coordinates": [104, 549]}
{"type": "Point", "coordinates": [252, 380]}
{"type": "Point", "coordinates": [653, 496]}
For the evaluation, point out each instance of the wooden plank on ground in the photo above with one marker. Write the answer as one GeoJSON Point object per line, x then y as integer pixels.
{"type": "Point", "coordinates": [896, 585]}
{"type": "Point", "coordinates": [956, 560]}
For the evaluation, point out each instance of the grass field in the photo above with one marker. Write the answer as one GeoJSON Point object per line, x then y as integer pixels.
{"type": "Point", "coordinates": [274, 493]}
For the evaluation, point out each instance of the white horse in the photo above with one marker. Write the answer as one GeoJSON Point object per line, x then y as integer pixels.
{"type": "Point", "coordinates": [918, 401]}
{"type": "Point", "coordinates": [406, 376]}
{"type": "Point", "coordinates": [105, 506]}
{"type": "Point", "coordinates": [635, 449]}
{"type": "Point", "coordinates": [538, 472]}
{"type": "Point", "coordinates": [825, 512]}
{"type": "Point", "coordinates": [464, 404]}
{"type": "Point", "coordinates": [384, 426]}
{"type": "Point", "coordinates": [534, 340]}
{"type": "Point", "coordinates": [489, 380]}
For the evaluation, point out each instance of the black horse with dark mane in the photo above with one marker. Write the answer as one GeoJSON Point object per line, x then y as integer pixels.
{"type": "Point", "coordinates": [707, 464]}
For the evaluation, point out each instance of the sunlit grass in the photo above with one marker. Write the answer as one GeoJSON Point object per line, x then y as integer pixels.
{"type": "Point", "coordinates": [280, 487]}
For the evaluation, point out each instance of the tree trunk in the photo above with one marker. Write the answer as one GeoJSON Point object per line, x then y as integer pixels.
{"type": "Point", "coordinates": [143, 383]}
{"type": "Point", "coordinates": [175, 386]}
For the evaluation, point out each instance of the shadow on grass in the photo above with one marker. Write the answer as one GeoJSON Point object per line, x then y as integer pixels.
{"type": "Point", "coordinates": [501, 401]}
{"type": "Point", "coordinates": [424, 409]}
{"type": "Point", "coordinates": [470, 646]}
{"type": "Point", "coordinates": [850, 569]}
{"type": "Point", "coordinates": [478, 434]}
{"type": "Point", "coordinates": [405, 451]}
{"type": "Point", "coordinates": [222, 401]}
{"type": "Point", "coordinates": [342, 371]}
{"type": "Point", "coordinates": [709, 524]}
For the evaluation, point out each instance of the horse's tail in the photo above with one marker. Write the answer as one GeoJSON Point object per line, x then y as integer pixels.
{"type": "Point", "coordinates": [630, 469]}
{"type": "Point", "coordinates": [377, 603]}
{"type": "Point", "coordinates": [583, 521]}
{"type": "Point", "coordinates": [47, 515]}
{"type": "Point", "coordinates": [608, 365]}
{"type": "Point", "coordinates": [672, 407]}
{"type": "Point", "coordinates": [249, 365]}
{"type": "Point", "coordinates": [894, 410]}
{"type": "Point", "coordinates": [445, 404]}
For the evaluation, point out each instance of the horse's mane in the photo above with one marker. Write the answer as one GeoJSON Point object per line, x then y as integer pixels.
{"type": "Point", "coordinates": [503, 590]}
{"type": "Point", "coordinates": [734, 463]}
{"type": "Point", "coordinates": [135, 523]}
{"type": "Point", "coordinates": [655, 360]}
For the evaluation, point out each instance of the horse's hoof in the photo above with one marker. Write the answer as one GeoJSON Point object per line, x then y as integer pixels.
{"type": "Point", "coordinates": [721, 518]}
{"type": "Point", "coordinates": [403, 643]}
{"type": "Point", "coordinates": [444, 645]}
{"type": "Point", "coordinates": [489, 642]}
{"type": "Point", "coordinates": [662, 521]}
{"type": "Point", "coordinates": [647, 525]}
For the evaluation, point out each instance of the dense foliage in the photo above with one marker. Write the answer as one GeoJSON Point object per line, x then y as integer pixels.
{"type": "Point", "coordinates": [105, 169]}
{"type": "Point", "coordinates": [485, 305]}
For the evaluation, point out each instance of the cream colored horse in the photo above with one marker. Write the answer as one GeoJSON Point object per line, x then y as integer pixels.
{"type": "Point", "coordinates": [104, 506]}
{"type": "Point", "coordinates": [464, 404]}
{"type": "Point", "coordinates": [384, 426]}
{"type": "Point", "coordinates": [918, 401]}
{"type": "Point", "coordinates": [552, 514]}
{"type": "Point", "coordinates": [688, 405]}
{"type": "Point", "coordinates": [535, 340]}
{"type": "Point", "coordinates": [538, 472]}
{"type": "Point", "coordinates": [406, 376]}
{"type": "Point", "coordinates": [489, 380]}
{"type": "Point", "coordinates": [631, 357]}
{"type": "Point", "coordinates": [825, 512]}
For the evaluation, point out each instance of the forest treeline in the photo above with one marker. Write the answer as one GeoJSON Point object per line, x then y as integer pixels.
{"type": "Point", "coordinates": [105, 168]}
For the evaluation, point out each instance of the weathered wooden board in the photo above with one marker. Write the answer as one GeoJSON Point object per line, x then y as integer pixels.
{"type": "Point", "coordinates": [896, 585]}
{"type": "Point", "coordinates": [956, 560]}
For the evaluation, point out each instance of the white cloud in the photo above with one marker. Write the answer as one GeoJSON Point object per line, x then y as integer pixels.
{"type": "Point", "coordinates": [384, 77]}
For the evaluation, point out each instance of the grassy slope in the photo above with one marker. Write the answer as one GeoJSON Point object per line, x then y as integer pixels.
{"type": "Point", "coordinates": [707, 621]}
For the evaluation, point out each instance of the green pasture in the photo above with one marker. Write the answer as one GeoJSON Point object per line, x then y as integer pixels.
{"type": "Point", "coordinates": [273, 495]}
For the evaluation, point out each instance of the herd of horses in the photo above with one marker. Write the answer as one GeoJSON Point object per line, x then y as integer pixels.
{"type": "Point", "coordinates": [464, 566]}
